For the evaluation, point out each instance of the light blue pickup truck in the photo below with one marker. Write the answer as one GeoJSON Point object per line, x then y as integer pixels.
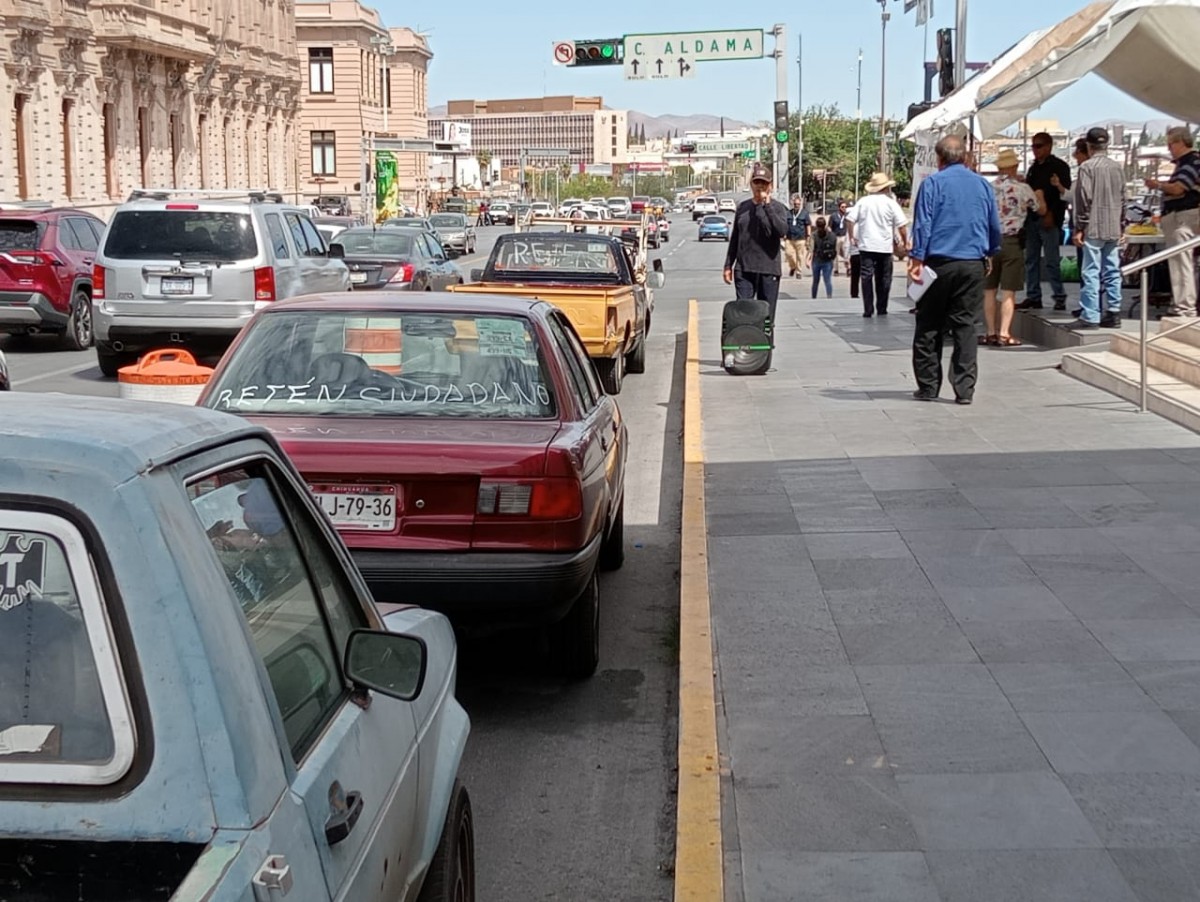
{"type": "Point", "coordinates": [199, 699]}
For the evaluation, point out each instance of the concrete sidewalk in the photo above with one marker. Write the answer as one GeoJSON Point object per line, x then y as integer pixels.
{"type": "Point", "coordinates": [958, 648]}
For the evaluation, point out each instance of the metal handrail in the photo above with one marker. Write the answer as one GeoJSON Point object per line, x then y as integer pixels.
{"type": "Point", "coordinates": [1141, 266]}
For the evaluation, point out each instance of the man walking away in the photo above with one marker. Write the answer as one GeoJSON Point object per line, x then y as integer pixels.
{"type": "Point", "coordinates": [874, 223]}
{"type": "Point", "coordinates": [824, 253]}
{"type": "Point", "coordinates": [759, 225]}
{"type": "Point", "coordinates": [1045, 232]}
{"type": "Point", "coordinates": [1181, 217]}
{"type": "Point", "coordinates": [1099, 205]}
{"type": "Point", "coordinates": [1015, 200]}
{"type": "Point", "coordinates": [837, 225]}
{"type": "Point", "coordinates": [796, 243]}
{"type": "Point", "coordinates": [956, 228]}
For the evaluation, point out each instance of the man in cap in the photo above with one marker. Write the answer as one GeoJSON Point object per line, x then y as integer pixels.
{"type": "Point", "coordinates": [1045, 231]}
{"type": "Point", "coordinates": [1015, 200]}
{"type": "Point", "coordinates": [956, 229]}
{"type": "Point", "coordinates": [759, 226]}
{"type": "Point", "coordinates": [1099, 206]}
{"type": "Point", "coordinates": [874, 224]}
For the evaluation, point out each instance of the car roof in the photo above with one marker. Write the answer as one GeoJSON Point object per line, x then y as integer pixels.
{"type": "Point", "coordinates": [42, 213]}
{"type": "Point", "coordinates": [408, 302]}
{"type": "Point", "coordinates": [119, 437]}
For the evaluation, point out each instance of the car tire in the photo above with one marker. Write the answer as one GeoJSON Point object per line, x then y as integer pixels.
{"type": "Point", "coordinates": [635, 360]}
{"type": "Point", "coordinates": [575, 640]}
{"type": "Point", "coordinates": [79, 323]}
{"type": "Point", "coordinates": [612, 552]}
{"type": "Point", "coordinates": [451, 874]}
{"type": "Point", "coordinates": [612, 373]}
{"type": "Point", "coordinates": [111, 362]}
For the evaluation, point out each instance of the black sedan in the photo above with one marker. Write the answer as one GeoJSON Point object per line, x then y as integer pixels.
{"type": "Point", "coordinates": [396, 260]}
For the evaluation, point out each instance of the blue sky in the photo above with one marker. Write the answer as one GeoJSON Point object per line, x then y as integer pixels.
{"type": "Point", "coordinates": [503, 49]}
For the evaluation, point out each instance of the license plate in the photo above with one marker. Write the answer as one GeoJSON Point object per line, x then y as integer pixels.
{"type": "Point", "coordinates": [362, 508]}
{"type": "Point", "coordinates": [358, 277]}
{"type": "Point", "coordinates": [175, 285]}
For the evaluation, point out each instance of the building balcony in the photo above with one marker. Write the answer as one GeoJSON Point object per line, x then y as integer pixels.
{"type": "Point", "coordinates": [148, 26]}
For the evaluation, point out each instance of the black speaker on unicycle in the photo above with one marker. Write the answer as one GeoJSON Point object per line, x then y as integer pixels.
{"type": "Point", "coordinates": [746, 337]}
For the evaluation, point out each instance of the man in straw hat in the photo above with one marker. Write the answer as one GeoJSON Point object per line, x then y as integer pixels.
{"type": "Point", "coordinates": [755, 243]}
{"type": "Point", "coordinates": [956, 229]}
{"type": "Point", "coordinates": [1015, 201]}
{"type": "Point", "coordinates": [874, 224]}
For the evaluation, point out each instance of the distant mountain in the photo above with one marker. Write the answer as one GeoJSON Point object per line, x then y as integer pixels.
{"type": "Point", "coordinates": [658, 126]}
{"type": "Point", "coordinates": [1154, 126]}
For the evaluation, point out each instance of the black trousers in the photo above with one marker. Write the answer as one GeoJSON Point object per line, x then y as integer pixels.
{"type": "Point", "coordinates": [757, 286]}
{"type": "Point", "coordinates": [876, 281]}
{"type": "Point", "coordinates": [855, 273]}
{"type": "Point", "coordinates": [951, 305]}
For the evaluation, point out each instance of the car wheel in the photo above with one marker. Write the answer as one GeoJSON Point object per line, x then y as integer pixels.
{"type": "Point", "coordinates": [451, 874]}
{"type": "Point", "coordinates": [635, 360]}
{"type": "Point", "coordinates": [612, 552]}
{"type": "Point", "coordinates": [575, 640]}
{"type": "Point", "coordinates": [611, 372]}
{"type": "Point", "coordinates": [79, 323]}
{"type": "Point", "coordinates": [111, 362]}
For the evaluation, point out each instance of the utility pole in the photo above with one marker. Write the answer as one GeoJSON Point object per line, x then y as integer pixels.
{"type": "Point", "coordinates": [781, 150]}
{"type": "Point", "coordinates": [884, 15]}
{"type": "Point", "coordinates": [858, 131]}
{"type": "Point", "coordinates": [960, 42]}
{"type": "Point", "coordinates": [800, 114]}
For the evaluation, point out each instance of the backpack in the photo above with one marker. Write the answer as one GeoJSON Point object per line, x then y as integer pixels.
{"type": "Point", "coordinates": [827, 248]}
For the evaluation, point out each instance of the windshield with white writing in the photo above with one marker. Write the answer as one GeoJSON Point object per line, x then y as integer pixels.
{"type": "Point", "coordinates": [329, 363]}
{"type": "Point", "coordinates": [555, 253]}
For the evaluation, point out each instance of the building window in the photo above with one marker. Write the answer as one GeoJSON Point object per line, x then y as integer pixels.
{"type": "Point", "coordinates": [143, 119]}
{"type": "Point", "coordinates": [173, 129]}
{"type": "Point", "coordinates": [270, 155]}
{"type": "Point", "coordinates": [226, 157]}
{"type": "Point", "coordinates": [324, 153]}
{"type": "Point", "coordinates": [68, 133]}
{"type": "Point", "coordinates": [109, 115]}
{"type": "Point", "coordinates": [387, 88]}
{"type": "Point", "coordinates": [202, 129]}
{"type": "Point", "coordinates": [19, 131]}
{"type": "Point", "coordinates": [320, 70]}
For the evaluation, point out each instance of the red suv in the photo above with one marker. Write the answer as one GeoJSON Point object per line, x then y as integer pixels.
{"type": "Point", "coordinates": [46, 272]}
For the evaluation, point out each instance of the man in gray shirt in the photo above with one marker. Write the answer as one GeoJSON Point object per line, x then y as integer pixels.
{"type": "Point", "coordinates": [1099, 204]}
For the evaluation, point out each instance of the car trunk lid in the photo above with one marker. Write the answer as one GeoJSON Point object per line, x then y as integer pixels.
{"type": "Point", "coordinates": [376, 271]}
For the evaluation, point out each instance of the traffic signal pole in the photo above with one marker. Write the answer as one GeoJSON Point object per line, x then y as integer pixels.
{"type": "Point", "coordinates": [781, 94]}
{"type": "Point", "coordinates": [960, 43]}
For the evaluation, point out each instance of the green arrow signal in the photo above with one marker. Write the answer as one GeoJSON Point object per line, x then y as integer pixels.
{"type": "Point", "coordinates": [781, 136]}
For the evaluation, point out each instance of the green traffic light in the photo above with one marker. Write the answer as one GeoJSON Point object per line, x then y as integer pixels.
{"type": "Point", "coordinates": [781, 137]}
{"type": "Point", "coordinates": [607, 51]}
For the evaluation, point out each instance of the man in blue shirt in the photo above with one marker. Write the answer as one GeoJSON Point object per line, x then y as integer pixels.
{"type": "Point", "coordinates": [956, 229]}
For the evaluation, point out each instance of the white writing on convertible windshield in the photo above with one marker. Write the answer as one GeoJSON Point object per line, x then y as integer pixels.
{"type": "Point", "coordinates": [475, 393]}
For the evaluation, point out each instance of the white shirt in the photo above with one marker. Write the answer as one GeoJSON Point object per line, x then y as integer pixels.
{"type": "Point", "coordinates": [876, 218]}
{"type": "Point", "coordinates": [851, 245]}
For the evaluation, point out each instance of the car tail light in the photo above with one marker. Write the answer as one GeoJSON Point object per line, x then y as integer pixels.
{"type": "Point", "coordinates": [98, 277]}
{"type": "Point", "coordinates": [552, 498]}
{"type": "Point", "coordinates": [264, 284]}
{"type": "Point", "coordinates": [33, 258]}
{"type": "Point", "coordinates": [404, 273]}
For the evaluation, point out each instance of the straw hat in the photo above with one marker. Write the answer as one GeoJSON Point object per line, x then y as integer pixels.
{"type": "Point", "coordinates": [1007, 159]}
{"type": "Point", "coordinates": [878, 182]}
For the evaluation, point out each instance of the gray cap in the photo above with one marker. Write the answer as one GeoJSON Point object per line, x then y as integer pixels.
{"type": "Point", "coordinates": [1097, 137]}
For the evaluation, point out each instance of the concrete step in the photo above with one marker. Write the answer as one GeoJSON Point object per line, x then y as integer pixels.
{"type": "Point", "coordinates": [1166, 395]}
{"type": "Point", "coordinates": [1047, 328]}
{"type": "Point", "coordinates": [1187, 336]}
{"type": "Point", "coordinates": [1171, 356]}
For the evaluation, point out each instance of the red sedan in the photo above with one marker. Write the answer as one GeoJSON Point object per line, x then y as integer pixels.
{"type": "Point", "coordinates": [462, 446]}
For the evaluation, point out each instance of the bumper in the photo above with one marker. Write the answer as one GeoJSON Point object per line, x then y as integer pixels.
{"type": "Point", "coordinates": [21, 310]}
{"type": "Point", "coordinates": [497, 587]}
{"type": "Point", "coordinates": [137, 332]}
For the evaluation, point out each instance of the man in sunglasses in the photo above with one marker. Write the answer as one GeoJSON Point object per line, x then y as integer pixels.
{"type": "Point", "coordinates": [1044, 232]}
{"type": "Point", "coordinates": [752, 263]}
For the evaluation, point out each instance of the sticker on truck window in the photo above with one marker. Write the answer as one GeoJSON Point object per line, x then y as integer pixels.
{"type": "Point", "coordinates": [501, 338]}
{"type": "Point", "coordinates": [22, 569]}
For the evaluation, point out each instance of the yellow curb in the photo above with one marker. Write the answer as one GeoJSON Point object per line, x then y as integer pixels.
{"type": "Point", "coordinates": [699, 854]}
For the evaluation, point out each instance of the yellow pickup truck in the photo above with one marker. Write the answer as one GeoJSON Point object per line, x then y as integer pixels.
{"type": "Point", "coordinates": [596, 280]}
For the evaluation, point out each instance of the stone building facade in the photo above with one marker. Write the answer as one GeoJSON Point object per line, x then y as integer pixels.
{"type": "Point", "coordinates": [103, 96]}
{"type": "Point", "coordinates": [361, 79]}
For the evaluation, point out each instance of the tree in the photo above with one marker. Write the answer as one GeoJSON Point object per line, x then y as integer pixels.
{"type": "Point", "coordinates": [483, 157]}
{"type": "Point", "coordinates": [829, 144]}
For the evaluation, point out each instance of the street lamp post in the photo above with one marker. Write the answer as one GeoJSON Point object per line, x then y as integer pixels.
{"type": "Point", "coordinates": [800, 115]}
{"type": "Point", "coordinates": [884, 15]}
{"type": "Point", "coordinates": [858, 130]}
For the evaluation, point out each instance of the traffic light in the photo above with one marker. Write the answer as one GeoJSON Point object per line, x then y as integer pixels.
{"type": "Point", "coordinates": [781, 121]}
{"type": "Point", "coordinates": [945, 60]}
{"type": "Point", "coordinates": [605, 52]}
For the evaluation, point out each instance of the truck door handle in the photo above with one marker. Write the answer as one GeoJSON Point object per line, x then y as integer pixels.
{"type": "Point", "coordinates": [343, 818]}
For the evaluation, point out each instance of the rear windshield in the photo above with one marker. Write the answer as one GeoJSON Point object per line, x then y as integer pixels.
{"type": "Point", "coordinates": [448, 220]}
{"type": "Point", "coordinates": [20, 234]}
{"type": "Point", "coordinates": [396, 243]}
{"type": "Point", "coordinates": [714, 220]}
{"type": "Point", "coordinates": [63, 717]}
{"type": "Point", "coordinates": [550, 253]}
{"type": "Point", "coordinates": [314, 363]}
{"type": "Point", "coordinates": [181, 234]}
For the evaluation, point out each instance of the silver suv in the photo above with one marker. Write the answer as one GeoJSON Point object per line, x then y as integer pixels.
{"type": "Point", "coordinates": [191, 267]}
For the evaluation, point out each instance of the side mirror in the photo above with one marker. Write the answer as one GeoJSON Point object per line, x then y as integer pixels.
{"type": "Point", "coordinates": [391, 663]}
{"type": "Point", "coordinates": [656, 279]}
{"type": "Point", "coordinates": [477, 275]}
{"type": "Point", "coordinates": [337, 251]}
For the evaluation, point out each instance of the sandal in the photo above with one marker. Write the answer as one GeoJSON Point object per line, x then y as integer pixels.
{"type": "Point", "coordinates": [1007, 341]}
{"type": "Point", "coordinates": [989, 340]}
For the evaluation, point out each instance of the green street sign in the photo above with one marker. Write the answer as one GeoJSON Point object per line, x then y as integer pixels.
{"type": "Point", "coordinates": [750, 154]}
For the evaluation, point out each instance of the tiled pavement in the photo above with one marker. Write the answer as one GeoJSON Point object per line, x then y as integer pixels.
{"type": "Point", "coordinates": [958, 647]}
